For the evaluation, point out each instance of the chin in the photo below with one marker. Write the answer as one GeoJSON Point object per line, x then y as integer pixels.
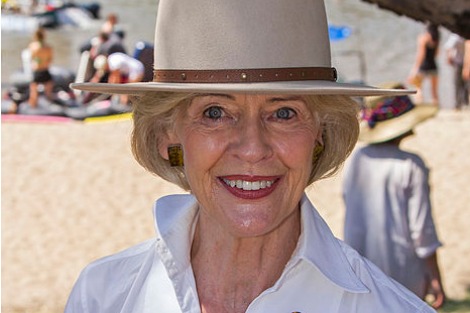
{"type": "Point", "coordinates": [254, 225]}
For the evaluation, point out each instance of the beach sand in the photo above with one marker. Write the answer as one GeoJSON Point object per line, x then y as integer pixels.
{"type": "Point", "coordinates": [72, 193]}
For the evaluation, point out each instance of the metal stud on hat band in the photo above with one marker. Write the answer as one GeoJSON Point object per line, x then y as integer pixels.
{"type": "Point", "coordinates": [245, 75]}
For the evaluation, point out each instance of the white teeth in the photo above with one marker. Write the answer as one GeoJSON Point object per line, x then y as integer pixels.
{"type": "Point", "coordinates": [249, 185]}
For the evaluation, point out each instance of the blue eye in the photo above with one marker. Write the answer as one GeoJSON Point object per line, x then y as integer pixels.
{"type": "Point", "coordinates": [285, 113]}
{"type": "Point", "coordinates": [213, 112]}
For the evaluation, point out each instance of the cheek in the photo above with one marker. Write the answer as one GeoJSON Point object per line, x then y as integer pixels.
{"type": "Point", "coordinates": [297, 149]}
{"type": "Point", "coordinates": [202, 149]}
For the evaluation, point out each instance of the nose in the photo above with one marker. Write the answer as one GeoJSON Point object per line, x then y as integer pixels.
{"type": "Point", "coordinates": [253, 142]}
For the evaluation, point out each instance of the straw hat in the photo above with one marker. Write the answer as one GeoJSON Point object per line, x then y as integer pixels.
{"type": "Point", "coordinates": [386, 118]}
{"type": "Point", "coordinates": [250, 46]}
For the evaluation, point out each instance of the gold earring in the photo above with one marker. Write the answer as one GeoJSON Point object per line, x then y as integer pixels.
{"type": "Point", "coordinates": [175, 155]}
{"type": "Point", "coordinates": [317, 151]}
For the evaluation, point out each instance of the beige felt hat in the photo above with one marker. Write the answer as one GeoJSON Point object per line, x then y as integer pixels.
{"type": "Point", "coordinates": [386, 118]}
{"type": "Point", "coordinates": [250, 46]}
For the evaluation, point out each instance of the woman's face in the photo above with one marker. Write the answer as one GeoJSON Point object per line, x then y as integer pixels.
{"type": "Point", "coordinates": [247, 157]}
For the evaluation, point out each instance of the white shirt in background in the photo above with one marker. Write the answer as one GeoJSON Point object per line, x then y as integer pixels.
{"type": "Point", "coordinates": [388, 212]}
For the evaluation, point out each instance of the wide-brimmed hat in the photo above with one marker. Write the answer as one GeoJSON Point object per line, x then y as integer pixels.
{"type": "Point", "coordinates": [250, 46]}
{"type": "Point", "coordinates": [386, 118]}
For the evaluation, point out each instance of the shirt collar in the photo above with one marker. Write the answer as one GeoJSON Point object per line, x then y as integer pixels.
{"type": "Point", "coordinates": [318, 246]}
{"type": "Point", "coordinates": [175, 219]}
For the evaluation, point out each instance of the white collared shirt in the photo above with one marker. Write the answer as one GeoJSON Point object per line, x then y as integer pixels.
{"type": "Point", "coordinates": [324, 275]}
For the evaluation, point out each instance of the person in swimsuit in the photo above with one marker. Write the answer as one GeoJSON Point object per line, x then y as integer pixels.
{"type": "Point", "coordinates": [41, 59]}
{"type": "Point", "coordinates": [425, 65]}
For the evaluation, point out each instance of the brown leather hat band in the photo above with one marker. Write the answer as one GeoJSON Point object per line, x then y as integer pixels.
{"type": "Point", "coordinates": [245, 75]}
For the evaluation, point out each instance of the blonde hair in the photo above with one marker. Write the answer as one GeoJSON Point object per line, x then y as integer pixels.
{"type": "Point", "coordinates": [155, 114]}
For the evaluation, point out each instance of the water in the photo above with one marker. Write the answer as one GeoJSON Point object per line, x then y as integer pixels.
{"type": "Point", "coordinates": [381, 48]}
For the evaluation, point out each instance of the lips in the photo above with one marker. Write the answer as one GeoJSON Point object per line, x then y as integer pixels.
{"type": "Point", "coordinates": [250, 188]}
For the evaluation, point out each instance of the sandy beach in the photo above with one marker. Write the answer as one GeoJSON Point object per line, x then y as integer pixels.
{"type": "Point", "coordinates": [72, 192]}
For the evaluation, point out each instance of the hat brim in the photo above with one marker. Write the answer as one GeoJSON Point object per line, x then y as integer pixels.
{"type": "Point", "coordinates": [291, 87]}
{"type": "Point", "coordinates": [393, 128]}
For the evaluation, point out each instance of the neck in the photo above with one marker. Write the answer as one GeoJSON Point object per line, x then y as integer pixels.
{"type": "Point", "coordinates": [231, 271]}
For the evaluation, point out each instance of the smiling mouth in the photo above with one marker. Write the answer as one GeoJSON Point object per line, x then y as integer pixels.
{"type": "Point", "coordinates": [248, 185]}
{"type": "Point", "coordinates": [250, 189]}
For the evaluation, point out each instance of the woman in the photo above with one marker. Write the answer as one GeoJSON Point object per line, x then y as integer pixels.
{"type": "Point", "coordinates": [425, 65]}
{"type": "Point", "coordinates": [386, 193]}
{"type": "Point", "coordinates": [244, 113]}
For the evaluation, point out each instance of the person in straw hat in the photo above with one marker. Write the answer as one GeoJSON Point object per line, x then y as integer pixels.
{"type": "Point", "coordinates": [244, 113]}
{"type": "Point", "coordinates": [387, 197]}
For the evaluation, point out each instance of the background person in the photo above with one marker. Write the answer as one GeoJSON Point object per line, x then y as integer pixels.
{"type": "Point", "coordinates": [425, 66]}
{"type": "Point", "coordinates": [107, 44]}
{"type": "Point", "coordinates": [466, 64]}
{"type": "Point", "coordinates": [41, 60]}
{"type": "Point", "coordinates": [455, 51]}
{"type": "Point", "coordinates": [387, 197]}
{"type": "Point", "coordinates": [245, 129]}
{"type": "Point", "coordinates": [118, 68]}
{"type": "Point", "coordinates": [109, 25]}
